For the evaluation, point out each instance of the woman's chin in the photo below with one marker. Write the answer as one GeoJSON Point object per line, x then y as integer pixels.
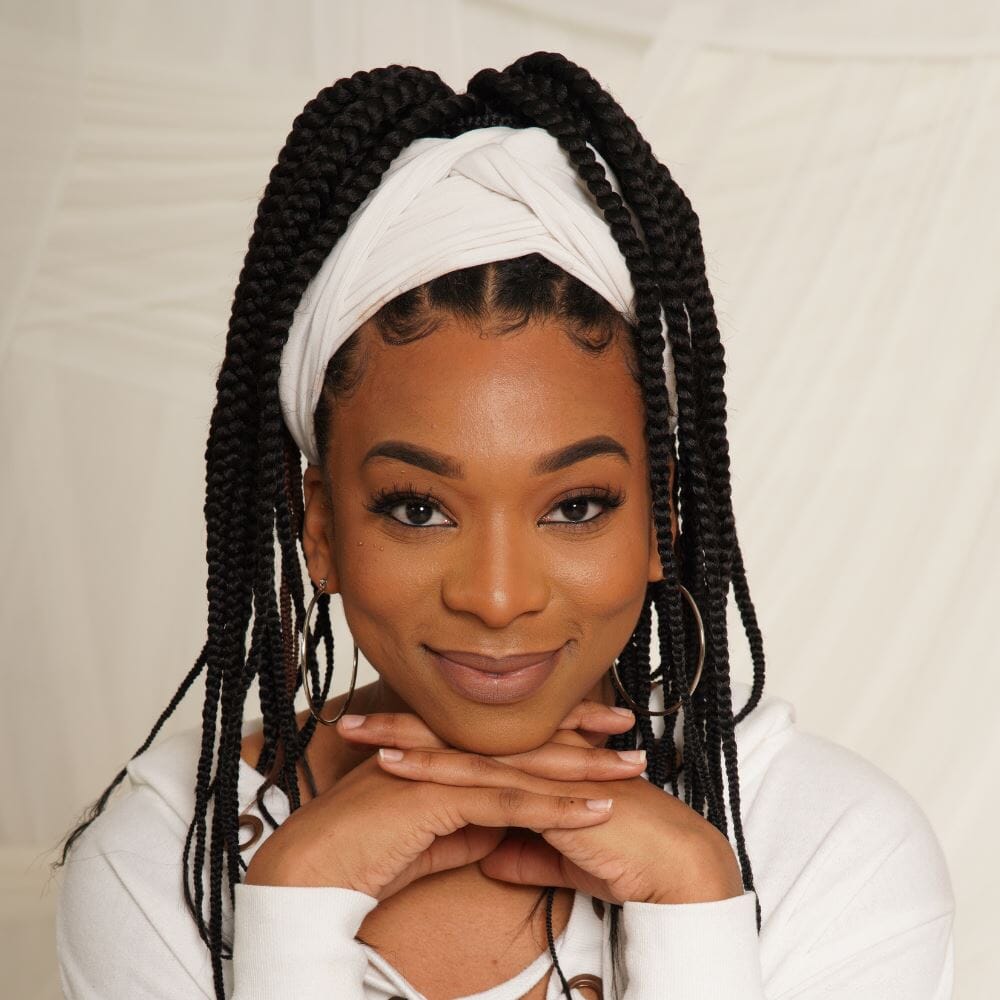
{"type": "Point", "coordinates": [499, 737]}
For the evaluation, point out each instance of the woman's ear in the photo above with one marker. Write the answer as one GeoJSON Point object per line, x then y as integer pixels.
{"type": "Point", "coordinates": [316, 529]}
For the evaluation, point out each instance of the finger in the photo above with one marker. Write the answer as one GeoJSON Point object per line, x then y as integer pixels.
{"type": "Point", "coordinates": [458, 769]}
{"type": "Point", "coordinates": [535, 769]}
{"type": "Point", "coordinates": [559, 761]}
{"type": "Point", "coordinates": [526, 861]}
{"type": "Point", "coordinates": [405, 729]}
{"type": "Point", "coordinates": [391, 729]}
{"type": "Point", "coordinates": [555, 762]}
{"type": "Point", "coordinates": [465, 846]}
{"type": "Point", "coordinates": [451, 808]}
{"type": "Point", "coordinates": [598, 719]}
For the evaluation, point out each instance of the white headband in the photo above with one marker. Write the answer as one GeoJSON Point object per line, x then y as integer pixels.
{"type": "Point", "coordinates": [442, 205]}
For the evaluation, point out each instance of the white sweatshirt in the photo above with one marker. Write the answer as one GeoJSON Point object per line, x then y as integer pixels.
{"type": "Point", "coordinates": [855, 897]}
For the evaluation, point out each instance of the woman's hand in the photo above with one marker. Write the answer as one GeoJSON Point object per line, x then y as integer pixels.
{"type": "Point", "coordinates": [377, 832]}
{"type": "Point", "coordinates": [653, 848]}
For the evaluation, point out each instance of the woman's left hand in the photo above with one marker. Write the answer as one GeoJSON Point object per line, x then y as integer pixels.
{"type": "Point", "coordinates": [653, 849]}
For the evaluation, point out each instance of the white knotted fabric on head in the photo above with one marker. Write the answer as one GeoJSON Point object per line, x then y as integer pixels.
{"type": "Point", "coordinates": [442, 205]}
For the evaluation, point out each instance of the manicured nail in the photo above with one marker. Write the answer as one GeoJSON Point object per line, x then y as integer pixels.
{"type": "Point", "coordinates": [352, 721]}
{"type": "Point", "coordinates": [633, 756]}
{"type": "Point", "coordinates": [390, 753]}
{"type": "Point", "coordinates": [599, 805]}
{"type": "Point", "coordinates": [622, 711]}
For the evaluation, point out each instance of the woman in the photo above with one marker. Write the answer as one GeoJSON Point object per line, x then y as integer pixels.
{"type": "Point", "coordinates": [484, 321]}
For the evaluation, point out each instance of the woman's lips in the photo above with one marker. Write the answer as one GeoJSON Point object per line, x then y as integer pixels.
{"type": "Point", "coordinates": [496, 688]}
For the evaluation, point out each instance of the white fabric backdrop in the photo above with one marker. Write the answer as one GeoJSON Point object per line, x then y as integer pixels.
{"type": "Point", "coordinates": [844, 157]}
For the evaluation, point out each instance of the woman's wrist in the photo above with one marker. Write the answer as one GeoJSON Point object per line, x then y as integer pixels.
{"type": "Point", "coordinates": [716, 877]}
{"type": "Point", "coordinates": [261, 872]}
{"type": "Point", "coordinates": [267, 867]}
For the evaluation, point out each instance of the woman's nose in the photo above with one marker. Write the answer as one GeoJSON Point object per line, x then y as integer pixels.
{"type": "Point", "coordinates": [497, 575]}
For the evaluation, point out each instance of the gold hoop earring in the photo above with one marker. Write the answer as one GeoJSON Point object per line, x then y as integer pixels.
{"type": "Point", "coordinates": [303, 663]}
{"type": "Point", "coordinates": [634, 705]}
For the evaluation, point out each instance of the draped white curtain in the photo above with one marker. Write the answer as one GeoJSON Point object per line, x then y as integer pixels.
{"type": "Point", "coordinates": [844, 158]}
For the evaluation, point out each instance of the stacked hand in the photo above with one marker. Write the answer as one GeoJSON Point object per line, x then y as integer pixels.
{"type": "Point", "coordinates": [523, 817]}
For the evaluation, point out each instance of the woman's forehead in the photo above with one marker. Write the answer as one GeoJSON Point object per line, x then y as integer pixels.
{"type": "Point", "coordinates": [495, 404]}
{"type": "Point", "coordinates": [522, 392]}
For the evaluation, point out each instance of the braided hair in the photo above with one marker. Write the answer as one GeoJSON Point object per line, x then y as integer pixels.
{"type": "Point", "coordinates": [336, 153]}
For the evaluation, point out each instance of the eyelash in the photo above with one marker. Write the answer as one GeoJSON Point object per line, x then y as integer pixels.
{"type": "Point", "coordinates": [384, 500]}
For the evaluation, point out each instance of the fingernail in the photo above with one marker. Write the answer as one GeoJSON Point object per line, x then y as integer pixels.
{"type": "Point", "coordinates": [352, 721]}
{"type": "Point", "coordinates": [390, 753]}
{"type": "Point", "coordinates": [622, 711]}
{"type": "Point", "coordinates": [633, 756]}
{"type": "Point", "coordinates": [599, 805]}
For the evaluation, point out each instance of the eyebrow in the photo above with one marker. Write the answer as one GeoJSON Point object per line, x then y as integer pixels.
{"type": "Point", "coordinates": [450, 468]}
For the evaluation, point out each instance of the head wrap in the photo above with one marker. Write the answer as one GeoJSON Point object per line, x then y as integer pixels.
{"type": "Point", "coordinates": [445, 204]}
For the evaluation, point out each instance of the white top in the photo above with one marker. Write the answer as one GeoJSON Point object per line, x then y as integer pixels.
{"type": "Point", "coordinates": [855, 896]}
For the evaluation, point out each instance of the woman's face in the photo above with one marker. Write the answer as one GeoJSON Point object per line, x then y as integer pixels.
{"type": "Point", "coordinates": [503, 549]}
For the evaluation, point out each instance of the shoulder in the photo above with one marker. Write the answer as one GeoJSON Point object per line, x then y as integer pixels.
{"type": "Point", "coordinates": [149, 815]}
{"type": "Point", "coordinates": [121, 890]}
{"type": "Point", "coordinates": [799, 788]}
{"type": "Point", "coordinates": [843, 856]}
{"type": "Point", "coordinates": [811, 775]}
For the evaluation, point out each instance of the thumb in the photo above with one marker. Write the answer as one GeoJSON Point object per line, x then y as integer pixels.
{"type": "Point", "coordinates": [522, 859]}
{"type": "Point", "coordinates": [462, 847]}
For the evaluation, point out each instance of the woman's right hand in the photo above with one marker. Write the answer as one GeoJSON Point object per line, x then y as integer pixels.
{"type": "Point", "coordinates": [376, 833]}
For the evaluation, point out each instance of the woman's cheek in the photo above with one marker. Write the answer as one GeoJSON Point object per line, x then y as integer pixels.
{"type": "Point", "coordinates": [385, 588]}
{"type": "Point", "coordinates": [607, 574]}
{"type": "Point", "coordinates": [602, 591]}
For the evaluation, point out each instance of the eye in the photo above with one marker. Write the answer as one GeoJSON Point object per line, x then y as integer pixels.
{"type": "Point", "coordinates": [417, 513]}
{"type": "Point", "coordinates": [578, 509]}
{"type": "Point", "coordinates": [408, 507]}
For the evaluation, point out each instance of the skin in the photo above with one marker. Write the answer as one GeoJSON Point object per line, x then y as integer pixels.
{"type": "Point", "coordinates": [495, 573]}
{"type": "Point", "coordinates": [503, 569]}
